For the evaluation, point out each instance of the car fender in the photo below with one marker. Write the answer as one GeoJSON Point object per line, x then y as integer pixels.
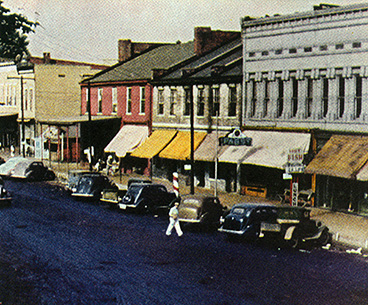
{"type": "Point", "coordinates": [289, 233]}
{"type": "Point", "coordinates": [318, 234]}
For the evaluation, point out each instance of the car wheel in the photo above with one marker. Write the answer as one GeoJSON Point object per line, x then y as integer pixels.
{"type": "Point", "coordinates": [294, 242]}
{"type": "Point", "coordinates": [325, 238]}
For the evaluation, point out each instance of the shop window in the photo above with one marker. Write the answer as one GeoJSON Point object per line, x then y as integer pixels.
{"type": "Point", "coordinates": [160, 108]}
{"type": "Point", "coordinates": [215, 103]}
{"type": "Point", "coordinates": [200, 102]}
{"type": "Point", "coordinates": [129, 101]}
{"type": "Point", "coordinates": [142, 102]}
{"type": "Point", "coordinates": [114, 100]}
{"type": "Point", "coordinates": [187, 100]}
{"type": "Point", "coordinates": [99, 100]}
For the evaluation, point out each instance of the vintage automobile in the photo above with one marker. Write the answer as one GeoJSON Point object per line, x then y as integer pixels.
{"type": "Point", "coordinates": [244, 220]}
{"type": "Point", "coordinates": [32, 170]}
{"type": "Point", "coordinates": [5, 197]}
{"type": "Point", "coordinates": [91, 185]}
{"type": "Point", "coordinates": [202, 210]}
{"type": "Point", "coordinates": [73, 178]}
{"type": "Point", "coordinates": [147, 197]}
{"type": "Point", "coordinates": [114, 194]}
{"type": "Point", "coordinates": [294, 226]}
{"type": "Point", "coordinates": [8, 166]}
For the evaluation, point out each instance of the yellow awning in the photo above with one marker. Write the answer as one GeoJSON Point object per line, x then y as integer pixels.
{"type": "Point", "coordinates": [179, 148]}
{"type": "Point", "coordinates": [156, 142]}
{"type": "Point", "coordinates": [341, 156]}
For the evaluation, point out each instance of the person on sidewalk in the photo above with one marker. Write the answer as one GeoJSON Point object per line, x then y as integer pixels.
{"type": "Point", "coordinates": [174, 220]}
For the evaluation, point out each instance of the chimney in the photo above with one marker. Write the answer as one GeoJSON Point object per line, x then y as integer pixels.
{"type": "Point", "coordinates": [46, 58]}
{"type": "Point", "coordinates": [128, 49]}
{"type": "Point", "coordinates": [205, 39]}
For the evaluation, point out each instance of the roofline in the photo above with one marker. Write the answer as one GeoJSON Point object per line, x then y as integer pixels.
{"type": "Point", "coordinates": [40, 61]}
{"type": "Point", "coordinates": [251, 21]}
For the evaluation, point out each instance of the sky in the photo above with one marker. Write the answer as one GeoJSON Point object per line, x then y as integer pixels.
{"type": "Point", "coordinates": [89, 30]}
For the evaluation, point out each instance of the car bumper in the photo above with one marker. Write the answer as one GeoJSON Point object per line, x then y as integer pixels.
{"type": "Point", "coordinates": [228, 231]}
{"type": "Point", "coordinates": [82, 195]}
{"type": "Point", "coordinates": [189, 220]}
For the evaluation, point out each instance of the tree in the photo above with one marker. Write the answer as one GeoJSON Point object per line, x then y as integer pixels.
{"type": "Point", "coordinates": [14, 29]}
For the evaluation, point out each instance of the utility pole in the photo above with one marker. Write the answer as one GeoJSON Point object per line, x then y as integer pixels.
{"type": "Point", "coordinates": [191, 141]}
{"type": "Point", "coordinates": [89, 126]}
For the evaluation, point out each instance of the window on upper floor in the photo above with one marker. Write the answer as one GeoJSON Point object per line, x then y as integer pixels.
{"type": "Point", "coordinates": [357, 44]}
{"type": "Point", "coordinates": [161, 100]}
{"type": "Point", "coordinates": [200, 102]}
{"type": "Point", "coordinates": [215, 103]}
{"type": "Point", "coordinates": [99, 100]}
{"type": "Point", "coordinates": [264, 53]}
{"type": "Point", "coordinates": [294, 98]}
{"type": "Point", "coordinates": [142, 102]}
{"type": "Point", "coordinates": [129, 101]}
{"type": "Point", "coordinates": [309, 97]}
{"type": "Point", "coordinates": [173, 94]}
{"type": "Point", "coordinates": [87, 100]}
{"type": "Point", "coordinates": [278, 52]}
{"type": "Point", "coordinates": [25, 99]}
{"type": "Point", "coordinates": [187, 100]}
{"type": "Point", "coordinates": [323, 48]}
{"type": "Point", "coordinates": [325, 90]}
{"type": "Point", "coordinates": [280, 98]}
{"type": "Point", "coordinates": [30, 99]}
{"type": "Point", "coordinates": [339, 46]}
{"type": "Point", "coordinates": [341, 97]}
{"type": "Point", "coordinates": [307, 49]}
{"type": "Point", "coordinates": [233, 99]}
{"type": "Point", "coordinates": [292, 50]}
{"type": "Point", "coordinates": [253, 98]}
{"type": "Point", "coordinates": [114, 100]}
{"type": "Point", "coordinates": [252, 54]}
{"type": "Point", "coordinates": [358, 95]}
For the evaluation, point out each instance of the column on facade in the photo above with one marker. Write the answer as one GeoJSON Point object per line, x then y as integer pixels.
{"type": "Point", "coordinates": [288, 95]}
{"type": "Point", "coordinates": [273, 98]}
{"type": "Point", "coordinates": [333, 100]}
{"type": "Point", "coordinates": [350, 89]}
{"type": "Point", "coordinates": [249, 98]}
{"type": "Point", "coordinates": [317, 94]}
{"type": "Point", "coordinates": [260, 105]}
{"type": "Point", "coordinates": [302, 98]}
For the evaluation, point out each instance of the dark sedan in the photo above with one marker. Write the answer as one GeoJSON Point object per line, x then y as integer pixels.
{"type": "Point", "coordinates": [32, 171]}
{"type": "Point", "coordinates": [147, 197]}
{"type": "Point", "coordinates": [5, 197]}
{"type": "Point", "coordinates": [202, 210]}
{"type": "Point", "coordinates": [90, 186]}
{"type": "Point", "coordinates": [244, 220]}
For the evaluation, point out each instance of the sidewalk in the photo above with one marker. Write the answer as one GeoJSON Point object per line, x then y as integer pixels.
{"type": "Point", "coordinates": [347, 229]}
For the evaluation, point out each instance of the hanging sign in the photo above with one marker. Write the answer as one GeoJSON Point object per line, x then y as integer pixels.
{"type": "Point", "coordinates": [235, 138]}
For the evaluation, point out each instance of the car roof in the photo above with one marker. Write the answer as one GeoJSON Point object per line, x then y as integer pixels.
{"type": "Point", "coordinates": [253, 205]}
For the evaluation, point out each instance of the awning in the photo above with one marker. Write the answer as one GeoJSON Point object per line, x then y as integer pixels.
{"type": "Point", "coordinates": [156, 142]}
{"type": "Point", "coordinates": [207, 149]}
{"type": "Point", "coordinates": [269, 148]}
{"type": "Point", "coordinates": [341, 156]}
{"type": "Point", "coordinates": [179, 148]}
{"type": "Point", "coordinates": [127, 139]}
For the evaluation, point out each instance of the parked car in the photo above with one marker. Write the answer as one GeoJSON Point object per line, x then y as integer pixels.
{"type": "Point", "coordinates": [202, 210]}
{"type": "Point", "coordinates": [32, 171]}
{"type": "Point", "coordinates": [5, 197]}
{"type": "Point", "coordinates": [114, 194]}
{"type": "Point", "coordinates": [73, 178]}
{"type": "Point", "coordinates": [9, 165]}
{"type": "Point", "coordinates": [244, 220]}
{"type": "Point", "coordinates": [91, 185]}
{"type": "Point", "coordinates": [147, 197]}
{"type": "Point", "coordinates": [294, 225]}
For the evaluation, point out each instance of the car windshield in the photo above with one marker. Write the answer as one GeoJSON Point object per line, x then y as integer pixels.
{"type": "Point", "coordinates": [239, 210]}
{"type": "Point", "coordinates": [191, 202]}
{"type": "Point", "coordinates": [134, 190]}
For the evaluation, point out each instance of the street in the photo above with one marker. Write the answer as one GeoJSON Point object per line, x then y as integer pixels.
{"type": "Point", "coordinates": [57, 250]}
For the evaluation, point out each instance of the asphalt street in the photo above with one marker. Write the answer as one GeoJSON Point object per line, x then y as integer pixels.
{"type": "Point", "coordinates": [56, 250]}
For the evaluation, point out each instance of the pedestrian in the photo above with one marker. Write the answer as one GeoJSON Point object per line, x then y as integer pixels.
{"type": "Point", "coordinates": [12, 150]}
{"type": "Point", "coordinates": [174, 220]}
{"type": "Point", "coordinates": [109, 165]}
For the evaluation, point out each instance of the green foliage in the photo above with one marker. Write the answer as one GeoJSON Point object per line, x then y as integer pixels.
{"type": "Point", "coordinates": [13, 33]}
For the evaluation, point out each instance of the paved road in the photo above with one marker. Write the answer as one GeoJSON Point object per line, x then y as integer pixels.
{"type": "Point", "coordinates": [56, 250]}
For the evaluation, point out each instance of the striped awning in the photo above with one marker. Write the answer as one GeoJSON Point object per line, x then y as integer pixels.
{"type": "Point", "coordinates": [209, 148]}
{"type": "Point", "coordinates": [179, 148]}
{"type": "Point", "coordinates": [156, 142]}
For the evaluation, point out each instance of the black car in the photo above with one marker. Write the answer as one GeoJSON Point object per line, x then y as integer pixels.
{"type": "Point", "coordinates": [244, 220]}
{"type": "Point", "coordinates": [32, 170]}
{"type": "Point", "coordinates": [91, 185]}
{"type": "Point", "coordinates": [73, 178]}
{"type": "Point", "coordinates": [293, 225]}
{"type": "Point", "coordinates": [147, 197]}
{"type": "Point", "coordinates": [202, 210]}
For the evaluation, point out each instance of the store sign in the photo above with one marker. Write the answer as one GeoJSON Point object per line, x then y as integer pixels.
{"type": "Point", "coordinates": [295, 161]}
{"type": "Point", "coordinates": [294, 193]}
{"type": "Point", "coordinates": [235, 138]}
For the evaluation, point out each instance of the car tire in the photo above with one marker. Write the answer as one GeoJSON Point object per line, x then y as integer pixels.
{"type": "Point", "coordinates": [325, 237]}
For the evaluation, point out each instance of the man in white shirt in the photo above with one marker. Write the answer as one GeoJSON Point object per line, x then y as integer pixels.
{"type": "Point", "coordinates": [174, 220]}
